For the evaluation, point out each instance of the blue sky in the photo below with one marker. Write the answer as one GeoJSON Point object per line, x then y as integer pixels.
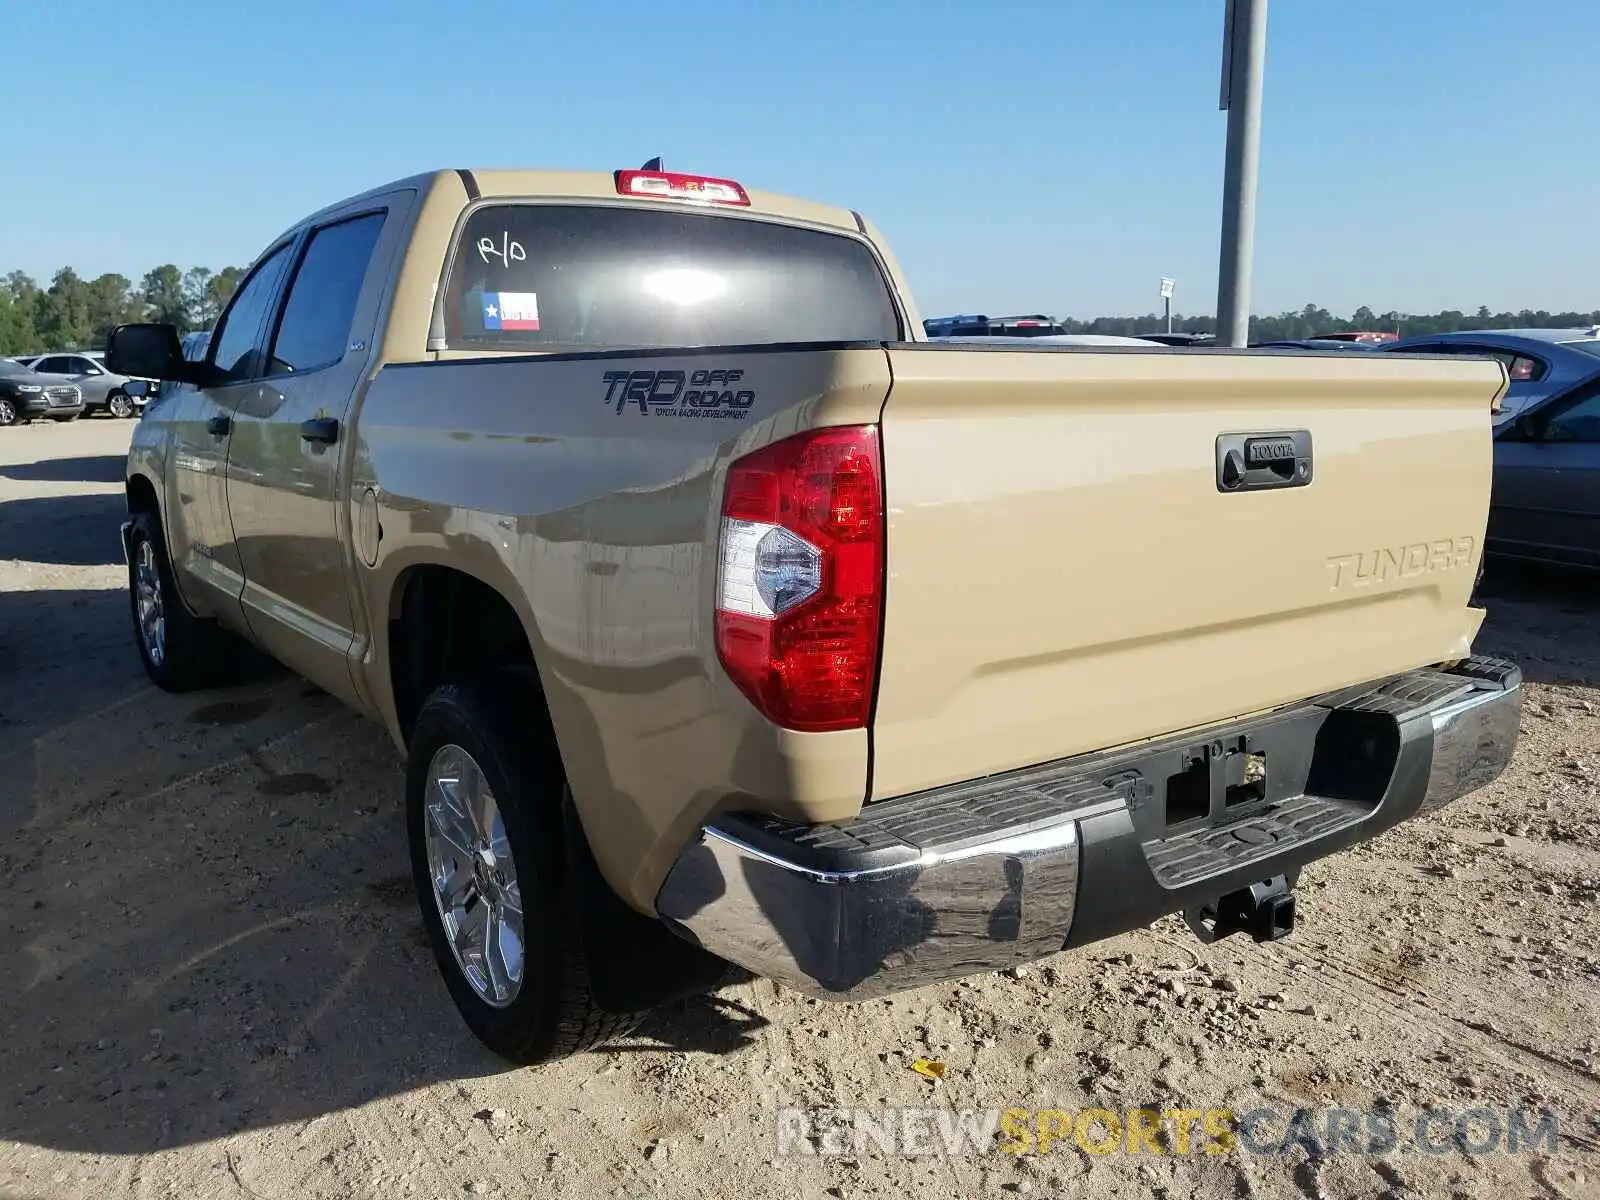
{"type": "Point", "coordinates": [1056, 156]}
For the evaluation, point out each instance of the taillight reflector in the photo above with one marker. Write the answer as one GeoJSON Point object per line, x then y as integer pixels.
{"type": "Point", "coordinates": [670, 185]}
{"type": "Point", "coordinates": [800, 578]}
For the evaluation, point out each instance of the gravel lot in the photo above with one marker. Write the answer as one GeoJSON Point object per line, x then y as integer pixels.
{"type": "Point", "coordinates": [215, 982]}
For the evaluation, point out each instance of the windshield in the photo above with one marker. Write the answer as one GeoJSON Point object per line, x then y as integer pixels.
{"type": "Point", "coordinates": [8, 367]}
{"type": "Point", "coordinates": [586, 276]}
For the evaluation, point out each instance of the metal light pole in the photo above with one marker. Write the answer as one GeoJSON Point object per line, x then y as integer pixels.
{"type": "Point", "coordinates": [1167, 286]}
{"type": "Point", "coordinates": [1244, 56]}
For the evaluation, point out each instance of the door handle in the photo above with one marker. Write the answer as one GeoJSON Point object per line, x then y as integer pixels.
{"type": "Point", "coordinates": [323, 430]}
{"type": "Point", "coordinates": [219, 426]}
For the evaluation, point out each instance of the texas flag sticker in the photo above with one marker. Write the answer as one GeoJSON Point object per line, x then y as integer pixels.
{"type": "Point", "coordinates": [511, 310]}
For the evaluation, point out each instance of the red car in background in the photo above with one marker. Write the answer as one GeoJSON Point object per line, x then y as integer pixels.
{"type": "Point", "coordinates": [1361, 336]}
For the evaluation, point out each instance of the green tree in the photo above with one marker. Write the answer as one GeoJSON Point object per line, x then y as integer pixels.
{"type": "Point", "coordinates": [111, 303]}
{"type": "Point", "coordinates": [17, 334]}
{"type": "Point", "coordinates": [163, 295]}
{"type": "Point", "coordinates": [219, 291]}
{"type": "Point", "coordinates": [20, 286]}
{"type": "Point", "coordinates": [197, 298]}
{"type": "Point", "coordinates": [207, 293]}
{"type": "Point", "coordinates": [62, 312]}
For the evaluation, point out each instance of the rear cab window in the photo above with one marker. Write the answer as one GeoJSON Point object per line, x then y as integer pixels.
{"type": "Point", "coordinates": [527, 276]}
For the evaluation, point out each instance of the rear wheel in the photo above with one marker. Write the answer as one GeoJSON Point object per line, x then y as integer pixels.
{"type": "Point", "coordinates": [484, 792]}
{"type": "Point", "coordinates": [181, 652]}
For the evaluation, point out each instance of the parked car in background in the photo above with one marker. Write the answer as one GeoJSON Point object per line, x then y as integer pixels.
{"type": "Point", "coordinates": [26, 395]}
{"type": "Point", "coordinates": [1364, 337]}
{"type": "Point", "coordinates": [963, 325]}
{"type": "Point", "coordinates": [1057, 339]}
{"type": "Point", "coordinates": [1541, 362]}
{"type": "Point", "coordinates": [976, 325]}
{"type": "Point", "coordinates": [1316, 343]}
{"type": "Point", "coordinates": [1546, 501]}
{"type": "Point", "coordinates": [1031, 325]}
{"type": "Point", "coordinates": [1177, 339]}
{"type": "Point", "coordinates": [102, 391]}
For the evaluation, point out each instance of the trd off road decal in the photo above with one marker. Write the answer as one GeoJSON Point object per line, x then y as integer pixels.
{"type": "Point", "coordinates": [710, 395]}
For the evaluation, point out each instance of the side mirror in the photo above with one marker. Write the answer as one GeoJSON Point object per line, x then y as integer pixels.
{"type": "Point", "coordinates": [150, 351]}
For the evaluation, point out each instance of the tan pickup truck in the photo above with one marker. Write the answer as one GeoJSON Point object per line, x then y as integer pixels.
{"type": "Point", "coordinates": [722, 618]}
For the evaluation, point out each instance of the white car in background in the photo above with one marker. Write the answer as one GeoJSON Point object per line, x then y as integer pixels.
{"type": "Point", "coordinates": [102, 390]}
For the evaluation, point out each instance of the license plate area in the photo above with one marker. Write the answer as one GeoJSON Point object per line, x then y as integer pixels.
{"type": "Point", "coordinates": [1225, 775]}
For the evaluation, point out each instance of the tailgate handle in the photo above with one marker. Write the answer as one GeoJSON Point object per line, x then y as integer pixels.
{"type": "Point", "coordinates": [1259, 461]}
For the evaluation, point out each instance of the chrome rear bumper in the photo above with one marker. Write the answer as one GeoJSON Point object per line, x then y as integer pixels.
{"type": "Point", "coordinates": [998, 872]}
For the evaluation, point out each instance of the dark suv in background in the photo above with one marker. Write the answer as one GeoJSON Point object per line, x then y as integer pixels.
{"type": "Point", "coordinates": [26, 395]}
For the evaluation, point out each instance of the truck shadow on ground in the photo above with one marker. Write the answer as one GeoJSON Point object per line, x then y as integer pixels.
{"type": "Point", "coordinates": [89, 468]}
{"type": "Point", "coordinates": [45, 685]}
{"type": "Point", "coordinates": [207, 916]}
{"type": "Point", "coordinates": [209, 927]}
{"type": "Point", "coordinates": [1542, 618]}
{"type": "Point", "coordinates": [76, 530]}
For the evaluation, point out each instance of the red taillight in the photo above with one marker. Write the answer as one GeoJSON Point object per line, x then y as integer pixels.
{"type": "Point", "coordinates": [670, 185]}
{"type": "Point", "coordinates": [800, 577]}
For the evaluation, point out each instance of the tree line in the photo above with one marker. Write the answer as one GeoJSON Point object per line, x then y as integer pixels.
{"type": "Point", "coordinates": [1313, 320]}
{"type": "Point", "coordinates": [74, 313]}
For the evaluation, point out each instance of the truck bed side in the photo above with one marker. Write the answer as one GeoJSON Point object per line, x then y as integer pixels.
{"type": "Point", "coordinates": [597, 518]}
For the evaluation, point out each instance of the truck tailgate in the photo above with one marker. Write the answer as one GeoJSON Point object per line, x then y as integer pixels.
{"type": "Point", "coordinates": [1070, 568]}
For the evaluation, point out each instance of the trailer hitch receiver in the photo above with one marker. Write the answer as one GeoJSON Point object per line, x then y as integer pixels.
{"type": "Point", "coordinates": [1263, 910]}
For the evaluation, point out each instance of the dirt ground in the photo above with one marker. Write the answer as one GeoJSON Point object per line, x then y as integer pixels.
{"type": "Point", "coordinates": [215, 982]}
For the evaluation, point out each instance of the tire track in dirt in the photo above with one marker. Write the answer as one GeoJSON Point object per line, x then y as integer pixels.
{"type": "Point", "coordinates": [1418, 1009]}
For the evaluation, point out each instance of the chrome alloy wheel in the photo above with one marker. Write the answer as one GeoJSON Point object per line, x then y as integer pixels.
{"type": "Point", "coordinates": [147, 602]}
{"type": "Point", "coordinates": [474, 878]}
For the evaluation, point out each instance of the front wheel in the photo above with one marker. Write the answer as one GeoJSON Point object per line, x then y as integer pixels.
{"type": "Point", "coordinates": [120, 405]}
{"type": "Point", "coordinates": [8, 412]}
{"type": "Point", "coordinates": [181, 652]}
{"type": "Point", "coordinates": [484, 797]}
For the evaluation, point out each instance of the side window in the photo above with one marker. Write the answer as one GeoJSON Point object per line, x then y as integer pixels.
{"type": "Point", "coordinates": [315, 328]}
{"type": "Point", "coordinates": [50, 366]}
{"type": "Point", "coordinates": [84, 366]}
{"type": "Point", "coordinates": [1578, 422]}
{"type": "Point", "coordinates": [238, 334]}
{"type": "Point", "coordinates": [1522, 368]}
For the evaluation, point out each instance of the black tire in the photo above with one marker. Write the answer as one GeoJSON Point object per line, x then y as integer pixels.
{"type": "Point", "coordinates": [195, 652]}
{"type": "Point", "coordinates": [496, 721]}
{"type": "Point", "coordinates": [124, 400]}
{"type": "Point", "coordinates": [8, 413]}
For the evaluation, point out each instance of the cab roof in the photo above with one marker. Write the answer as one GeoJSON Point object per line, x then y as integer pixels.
{"type": "Point", "coordinates": [531, 183]}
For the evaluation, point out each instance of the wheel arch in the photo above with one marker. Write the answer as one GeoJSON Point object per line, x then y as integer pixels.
{"type": "Point", "coordinates": [635, 961]}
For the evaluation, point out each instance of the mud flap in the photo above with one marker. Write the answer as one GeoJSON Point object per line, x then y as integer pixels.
{"type": "Point", "coordinates": [635, 962]}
